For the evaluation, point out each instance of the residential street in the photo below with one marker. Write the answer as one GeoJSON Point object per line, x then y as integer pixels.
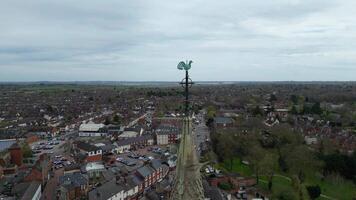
{"type": "Point", "coordinates": [50, 190]}
{"type": "Point", "coordinates": [201, 134]}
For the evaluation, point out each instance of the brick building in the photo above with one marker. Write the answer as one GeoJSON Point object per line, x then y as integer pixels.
{"type": "Point", "coordinates": [16, 154]}
{"type": "Point", "coordinates": [167, 134]}
{"type": "Point", "coordinates": [91, 153]}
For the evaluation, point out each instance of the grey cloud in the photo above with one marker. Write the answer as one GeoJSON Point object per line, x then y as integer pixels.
{"type": "Point", "coordinates": [144, 40]}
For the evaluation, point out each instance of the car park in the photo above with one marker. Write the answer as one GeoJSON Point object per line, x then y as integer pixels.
{"type": "Point", "coordinates": [36, 151]}
{"type": "Point", "coordinates": [133, 156]}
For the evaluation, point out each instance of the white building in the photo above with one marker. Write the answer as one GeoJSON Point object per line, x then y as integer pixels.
{"type": "Point", "coordinates": [91, 130]}
{"type": "Point", "coordinates": [131, 132]}
{"type": "Point", "coordinates": [310, 140]}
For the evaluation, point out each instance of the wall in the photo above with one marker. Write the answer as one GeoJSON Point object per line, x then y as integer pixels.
{"type": "Point", "coordinates": [38, 194]}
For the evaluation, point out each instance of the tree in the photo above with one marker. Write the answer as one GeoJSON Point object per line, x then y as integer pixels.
{"type": "Point", "coordinates": [273, 98]}
{"type": "Point", "coordinates": [226, 146]}
{"type": "Point", "coordinates": [294, 99]}
{"type": "Point", "coordinates": [301, 160]}
{"type": "Point", "coordinates": [211, 112]}
{"type": "Point", "coordinates": [342, 164]}
{"type": "Point", "coordinates": [26, 151]}
{"type": "Point", "coordinates": [257, 111]}
{"type": "Point", "coordinates": [294, 110]}
{"type": "Point", "coordinates": [316, 109]}
{"type": "Point", "coordinates": [269, 163]}
{"type": "Point", "coordinates": [117, 119]}
{"type": "Point", "coordinates": [286, 195]}
{"type": "Point", "coordinates": [314, 191]}
{"type": "Point", "coordinates": [255, 155]}
{"type": "Point", "coordinates": [107, 121]}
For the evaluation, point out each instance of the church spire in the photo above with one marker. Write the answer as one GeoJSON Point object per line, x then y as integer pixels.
{"type": "Point", "coordinates": [188, 183]}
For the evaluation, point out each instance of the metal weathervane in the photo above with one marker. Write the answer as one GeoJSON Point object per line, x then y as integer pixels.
{"type": "Point", "coordinates": [186, 82]}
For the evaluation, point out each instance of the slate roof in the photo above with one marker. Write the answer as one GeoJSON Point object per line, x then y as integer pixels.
{"type": "Point", "coordinates": [223, 120]}
{"type": "Point", "coordinates": [5, 144]}
{"type": "Point", "coordinates": [86, 146]}
{"type": "Point", "coordinates": [114, 186]}
{"type": "Point", "coordinates": [133, 140]}
{"type": "Point", "coordinates": [145, 171]}
{"type": "Point", "coordinates": [73, 180]}
{"type": "Point", "coordinates": [136, 179]}
{"type": "Point", "coordinates": [106, 190]}
{"type": "Point", "coordinates": [167, 129]}
{"type": "Point", "coordinates": [107, 147]}
{"type": "Point", "coordinates": [211, 192]}
{"type": "Point", "coordinates": [134, 129]}
{"type": "Point", "coordinates": [156, 164]}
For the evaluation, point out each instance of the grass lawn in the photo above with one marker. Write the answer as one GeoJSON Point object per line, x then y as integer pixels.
{"type": "Point", "coordinates": [335, 190]}
{"type": "Point", "coordinates": [278, 184]}
{"type": "Point", "coordinates": [237, 167]}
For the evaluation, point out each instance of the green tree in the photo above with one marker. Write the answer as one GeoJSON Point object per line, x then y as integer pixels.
{"type": "Point", "coordinates": [257, 111]}
{"type": "Point", "coordinates": [294, 99]}
{"type": "Point", "coordinates": [255, 155]}
{"type": "Point", "coordinates": [226, 145]}
{"type": "Point", "coordinates": [286, 195]}
{"type": "Point", "coordinates": [294, 110]}
{"type": "Point", "coordinates": [273, 97]}
{"type": "Point", "coordinates": [26, 150]}
{"type": "Point", "coordinates": [269, 167]}
{"type": "Point", "coordinates": [316, 109]}
{"type": "Point", "coordinates": [301, 160]}
{"type": "Point", "coordinates": [211, 112]}
{"type": "Point", "coordinates": [117, 119]}
{"type": "Point", "coordinates": [314, 191]}
{"type": "Point", "coordinates": [107, 121]}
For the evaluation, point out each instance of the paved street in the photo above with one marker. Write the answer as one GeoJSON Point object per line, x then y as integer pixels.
{"type": "Point", "coordinates": [201, 134]}
{"type": "Point", "coordinates": [50, 190]}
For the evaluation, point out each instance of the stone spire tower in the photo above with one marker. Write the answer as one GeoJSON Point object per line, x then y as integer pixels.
{"type": "Point", "coordinates": [188, 183]}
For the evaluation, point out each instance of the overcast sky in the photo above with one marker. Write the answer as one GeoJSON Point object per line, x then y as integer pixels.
{"type": "Point", "coordinates": [130, 40]}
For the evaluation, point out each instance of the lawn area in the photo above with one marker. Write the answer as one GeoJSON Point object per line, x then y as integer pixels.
{"type": "Point", "coordinates": [237, 167]}
{"type": "Point", "coordinates": [335, 190]}
{"type": "Point", "coordinates": [278, 184]}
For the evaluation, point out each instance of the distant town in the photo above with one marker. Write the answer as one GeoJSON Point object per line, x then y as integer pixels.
{"type": "Point", "coordinates": [264, 140]}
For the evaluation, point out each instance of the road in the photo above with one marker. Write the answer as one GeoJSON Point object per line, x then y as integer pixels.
{"type": "Point", "coordinates": [50, 190]}
{"type": "Point", "coordinates": [201, 134]}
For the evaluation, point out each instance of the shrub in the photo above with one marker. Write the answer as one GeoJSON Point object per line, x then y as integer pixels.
{"type": "Point", "coordinates": [314, 191]}
{"type": "Point", "coordinates": [225, 186]}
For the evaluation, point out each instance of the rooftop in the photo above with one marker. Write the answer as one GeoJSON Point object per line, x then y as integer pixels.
{"type": "Point", "coordinates": [73, 180]}
{"type": "Point", "coordinates": [86, 146]}
{"type": "Point", "coordinates": [90, 127]}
